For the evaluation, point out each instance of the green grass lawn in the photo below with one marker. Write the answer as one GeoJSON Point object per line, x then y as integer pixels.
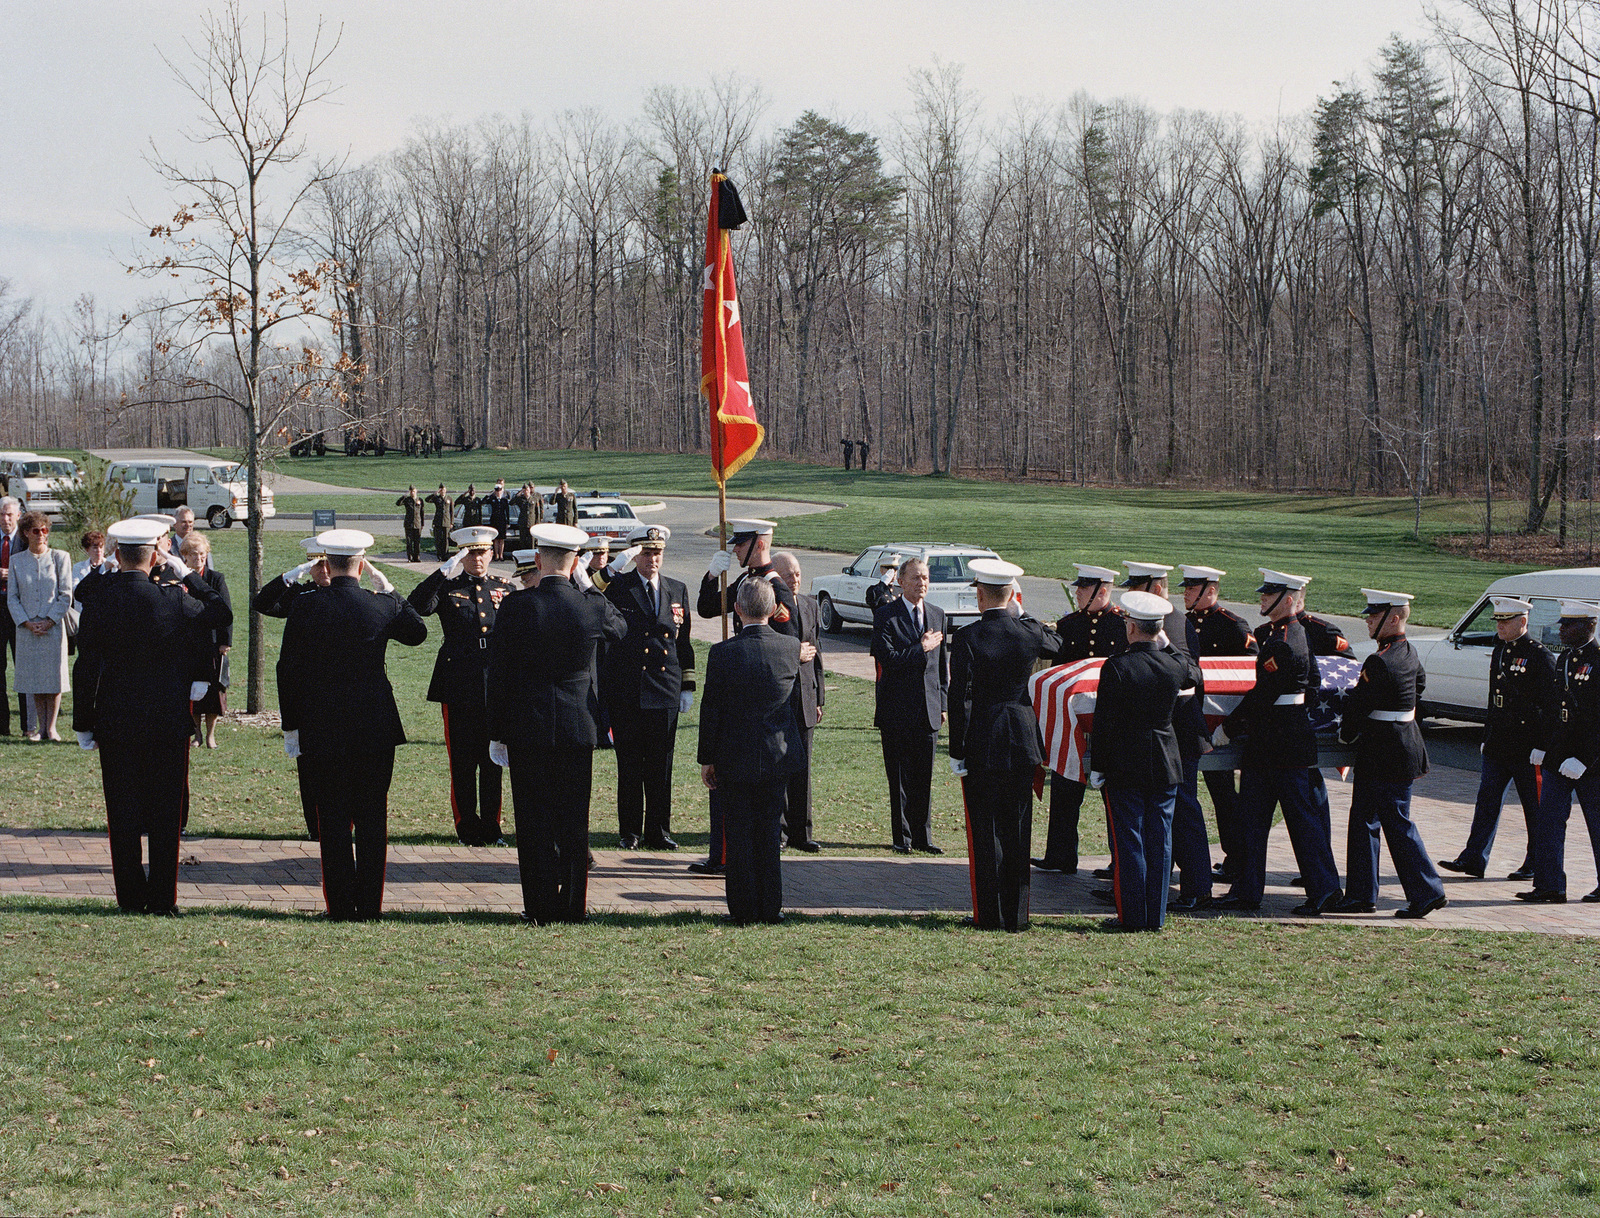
{"type": "Point", "coordinates": [232, 1063]}
{"type": "Point", "coordinates": [1345, 543]}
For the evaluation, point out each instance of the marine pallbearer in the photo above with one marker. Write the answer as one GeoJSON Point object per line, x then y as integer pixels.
{"type": "Point", "coordinates": [467, 599]}
{"type": "Point", "coordinates": [647, 681]}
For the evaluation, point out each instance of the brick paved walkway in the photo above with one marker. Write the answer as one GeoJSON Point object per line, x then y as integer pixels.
{"type": "Point", "coordinates": [285, 875]}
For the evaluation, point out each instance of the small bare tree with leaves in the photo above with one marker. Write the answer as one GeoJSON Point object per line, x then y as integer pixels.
{"type": "Point", "coordinates": [252, 294]}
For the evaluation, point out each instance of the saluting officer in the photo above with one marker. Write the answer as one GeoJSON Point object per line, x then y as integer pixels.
{"type": "Point", "coordinates": [994, 743]}
{"type": "Point", "coordinates": [647, 681]}
{"type": "Point", "coordinates": [1277, 758]}
{"type": "Point", "coordinates": [1094, 628]}
{"type": "Point", "coordinates": [339, 714]}
{"type": "Point", "coordinates": [1133, 754]}
{"type": "Point", "coordinates": [415, 512]}
{"type": "Point", "coordinates": [470, 503]}
{"type": "Point", "coordinates": [1218, 632]}
{"type": "Point", "coordinates": [1523, 705]}
{"type": "Point", "coordinates": [887, 587]}
{"type": "Point", "coordinates": [131, 702]}
{"type": "Point", "coordinates": [542, 722]}
{"type": "Point", "coordinates": [466, 597]}
{"type": "Point", "coordinates": [1570, 757]}
{"type": "Point", "coordinates": [1380, 719]}
{"type": "Point", "coordinates": [443, 518]}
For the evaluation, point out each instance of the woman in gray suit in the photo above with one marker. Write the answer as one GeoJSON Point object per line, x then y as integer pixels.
{"type": "Point", "coordinates": [38, 594]}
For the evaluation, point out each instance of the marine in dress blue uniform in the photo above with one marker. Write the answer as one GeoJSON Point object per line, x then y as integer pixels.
{"type": "Point", "coordinates": [1570, 757]}
{"type": "Point", "coordinates": [466, 598]}
{"type": "Point", "coordinates": [995, 745]}
{"type": "Point", "coordinates": [1380, 719]}
{"type": "Point", "coordinates": [1523, 704]}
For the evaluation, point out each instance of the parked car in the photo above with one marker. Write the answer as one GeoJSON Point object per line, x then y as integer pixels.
{"type": "Point", "coordinates": [1458, 662]}
{"type": "Point", "coordinates": [843, 598]}
{"type": "Point", "coordinates": [216, 490]}
{"type": "Point", "coordinates": [37, 482]}
{"type": "Point", "coordinates": [601, 516]}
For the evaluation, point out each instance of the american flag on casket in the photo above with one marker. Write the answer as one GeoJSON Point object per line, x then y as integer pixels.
{"type": "Point", "coordinates": [1063, 698]}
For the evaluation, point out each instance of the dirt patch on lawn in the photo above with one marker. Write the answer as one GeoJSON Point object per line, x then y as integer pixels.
{"type": "Point", "coordinates": [1532, 550]}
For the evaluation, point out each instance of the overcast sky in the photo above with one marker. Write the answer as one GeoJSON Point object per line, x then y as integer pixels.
{"type": "Point", "coordinates": [83, 88]}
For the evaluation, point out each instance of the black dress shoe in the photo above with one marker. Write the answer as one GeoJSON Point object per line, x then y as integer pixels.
{"type": "Point", "coordinates": [1524, 872]}
{"type": "Point", "coordinates": [1221, 870]}
{"type": "Point", "coordinates": [1592, 898]}
{"type": "Point", "coordinates": [1231, 902]}
{"type": "Point", "coordinates": [627, 842]}
{"type": "Point", "coordinates": [1188, 904]}
{"type": "Point", "coordinates": [1543, 896]}
{"type": "Point", "coordinates": [806, 847]}
{"type": "Point", "coordinates": [660, 843]}
{"type": "Point", "coordinates": [1102, 873]}
{"type": "Point", "coordinates": [706, 867]}
{"type": "Point", "coordinates": [1046, 865]}
{"type": "Point", "coordinates": [1351, 905]}
{"type": "Point", "coordinates": [901, 849]}
{"type": "Point", "coordinates": [777, 919]}
{"type": "Point", "coordinates": [1104, 894]}
{"type": "Point", "coordinates": [1297, 881]}
{"type": "Point", "coordinates": [931, 849]}
{"type": "Point", "coordinates": [1460, 868]}
{"type": "Point", "coordinates": [1315, 909]}
{"type": "Point", "coordinates": [1423, 910]}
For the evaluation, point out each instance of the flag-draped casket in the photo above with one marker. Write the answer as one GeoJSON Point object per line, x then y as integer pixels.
{"type": "Point", "coordinates": [1064, 697]}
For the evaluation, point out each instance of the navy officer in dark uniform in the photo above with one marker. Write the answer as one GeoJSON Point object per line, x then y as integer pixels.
{"type": "Point", "coordinates": [339, 716]}
{"type": "Point", "coordinates": [887, 586]}
{"type": "Point", "coordinates": [750, 542]}
{"type": "Point", "coordinates": [1279, 753]}
{"type": "Point", "coordinates": [1133, 754]}
{"type": "Point", "coordinates": [1570, 757]}
{"type": "Point", "coordinates": [1218, 632]}
{"type": "Point", "coordinates": [467, 598]}
{"type": "Point", "coordinates": [1380, 719]}
{"type": "Point", "coordinates": [1094, 628]}
{"type": "Point", "coordinates": [1523, 704]}
{"type": "Point", "coordinates": [647, 681]}
{"type": "Point", "coordinates": [131, 702]}
{"type": "Point", "coordinates": [542, 712]}
{"type": "Point", "coordinates": [994, 742]}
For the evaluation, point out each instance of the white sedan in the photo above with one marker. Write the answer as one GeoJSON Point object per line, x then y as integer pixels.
{"type": "Point", "coordinates": [843, 598]}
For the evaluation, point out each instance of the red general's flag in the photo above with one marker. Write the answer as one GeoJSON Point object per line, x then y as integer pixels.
{"type": "Point", "coordinates": [724, 377]}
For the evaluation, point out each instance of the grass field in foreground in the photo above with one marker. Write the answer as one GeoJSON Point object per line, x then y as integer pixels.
{"type": "Point", "coordinates": [240, 1064]}
{"type": "Point", "coordinates": [1345, 543]}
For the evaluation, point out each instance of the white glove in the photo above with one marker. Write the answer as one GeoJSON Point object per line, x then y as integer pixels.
{"type": "Point", "coordinates": [291, 743]}
{"type": "Point", "coordinates": [451, 567]}
{"type": "Point", "coordinates": [685, 701]}
{"type": "Point", "coordinates": [1096, 780]}
{"type": "Point", "coordinates": [86, 740]}
{"type": "Point", "coordinates": [581, 577]}
{"type": "Point", "coordinates": [1536, 757]}
{"type": "Point", "coordinates": [380, 581]}
{"type": "Point", "coordinates": [958, 767]}
{"type": "Point", "coordinates": [887, 577]}
{"type": "Point", "coordinates": [499, 754]}
{"type": "Point", "coordinates": [1220, 736]}
{"type": "Point", "coordinates": [619, 561]}
{"type": "Point", "coordinates": [720, 562]}
{"type": "Point", "coordinates": [1572, 768]}
{"type": "Point", "coordinates": [198, 690]}
{"type": "Point", "coordinates": [178, 567]}
{"type": "Point", "coordinates": [295, 574]}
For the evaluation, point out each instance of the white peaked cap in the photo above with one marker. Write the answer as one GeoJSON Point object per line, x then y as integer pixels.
{"type": "Point", "coordinates": [313, 547]}
{"type": "Point", "coordinates": [596, 543]}
{"type": "Point", "coordinates": [1145, 570]}
{"type": "Point", "coordinates": [161, 518]}
{"type": "Point", "coordinates": [1196, 575]}
{"type": "Point", "coordinates": [1377, 599]}
{"type": "Point", "coordinates": [1510, 606]}
{"type": "Point", "coordinates": [750, 528]}
{"type": "Point", "coordinates": [1088, 573]}
{"type": "Point", "coordinates": [474, 537]}
{"type": "Point", "coordinates": [1577, 608]}
{"type": "Point", "coordinates": [1281, 579]}
{"type": "Point", "coordinates": [347, 543]}
{"type": "Point", "coordinates": [993, 572]}
{"type": "Point", "coordinates": [650, 536]}
{"type": "Point", "coordinates": [558, 537]}
{"type": "Point", "coordinates": [135, 532]}
{"type": "Point", "coordinates": [1145, 606]}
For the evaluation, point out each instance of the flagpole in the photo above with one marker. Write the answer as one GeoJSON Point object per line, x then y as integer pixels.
{"type": "Point", "coordinates": [722, 544]}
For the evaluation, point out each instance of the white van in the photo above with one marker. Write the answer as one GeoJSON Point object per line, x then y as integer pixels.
{"type": "Point", "coordinates": [1458, 663]}
{"type": "Point", "coordinates": [37, 482]}
{"type": "Point", "coordinates": [216, 490]}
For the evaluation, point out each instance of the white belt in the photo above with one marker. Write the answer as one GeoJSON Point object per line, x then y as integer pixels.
{"type": "Point", "coordinates": [1289, 700]}
{"type": "Point", "coordinates": [1405, 716]}
{"type": "Point", "coordinates": [1186, 693]}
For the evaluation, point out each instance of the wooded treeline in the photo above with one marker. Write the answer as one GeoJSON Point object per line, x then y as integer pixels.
{"type": "Point", "coordinates": [1394, 294]}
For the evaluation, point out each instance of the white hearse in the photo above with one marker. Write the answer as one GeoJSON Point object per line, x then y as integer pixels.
{"type": "Point", "coordinates": [1458, 663]}
{"type": "Point", "coordinates": [216, 490]}
{"type": "Point", "coordinates": [36, 482]}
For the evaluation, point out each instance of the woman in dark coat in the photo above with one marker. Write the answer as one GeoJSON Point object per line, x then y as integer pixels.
{"type": "Point", "coordinates": [211, 666]}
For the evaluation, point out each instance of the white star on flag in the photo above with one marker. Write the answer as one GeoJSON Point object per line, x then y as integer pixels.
{"type": "Point", "coordinates": [733, 312]}
{"type": "Point", "coordinates": [708, 281]}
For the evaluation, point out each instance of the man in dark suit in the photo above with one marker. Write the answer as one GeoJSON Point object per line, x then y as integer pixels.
{"type": "Point", "coordinates": [647, 681]}
{"type": "Point", "coordinates": [994, 743]}
{"type": "Point", "coordinates": [339, 715]}
{"type": "Point", "coordinates": [1134, 755]}
{"type": "Point", "coordinates": [750, 745]}
{"type": "Point", "coordinates": [811, 693]}
{"type": "Point", "coordinates": [131, 702]}
{"type": "Point", "coordinates": [1094, 629]}
{"type": "Point", "coordinates": [467, 599]}
{"type": "Point", "coordinates": [542, 713]}
{"type": "Point", "coordinates": [911, 701]}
